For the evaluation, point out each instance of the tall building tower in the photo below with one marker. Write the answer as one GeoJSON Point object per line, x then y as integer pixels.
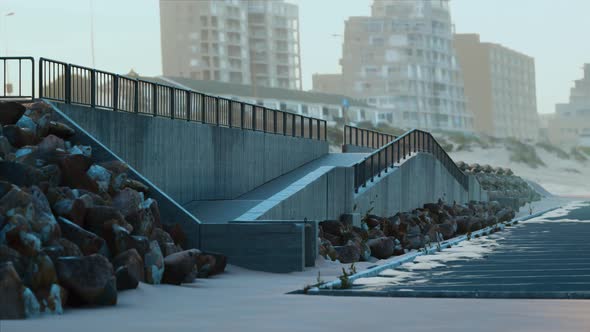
{"type": "Point", "coordinates": [499, 87]}
{"type": "Point", "coordinates": [232, 41]}
{"type": "Point", "coordinates": [401, 59]}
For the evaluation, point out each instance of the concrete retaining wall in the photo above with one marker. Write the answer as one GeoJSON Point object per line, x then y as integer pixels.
{"type": "Point", "coordinates": [419, 180]}
{"type": "Point", "coordinates": [193, 161]}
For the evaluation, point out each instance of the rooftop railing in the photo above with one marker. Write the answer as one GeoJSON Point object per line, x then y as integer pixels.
{"type": "Point", "coordinates": [16, 69]}
{"type": "Point", "coordinates": [413, 141]}
{"type": "Point", "coordinates": [366, 137]}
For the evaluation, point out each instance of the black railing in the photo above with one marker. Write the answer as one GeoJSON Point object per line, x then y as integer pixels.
{"type": "Point", "coordinates": [74, 84]}
{"type": "Point", "coordinates": [366, 137]}
{"type": "Point", "coordinates": [413, 141]}
{"type": "Point", "coordinates": [15, 66]}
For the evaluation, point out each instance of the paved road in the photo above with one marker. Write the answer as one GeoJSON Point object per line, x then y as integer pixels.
{"type": "Point", "coordinates": [221, 211]}
{"type": "Point", "coordinates": [532, 260]}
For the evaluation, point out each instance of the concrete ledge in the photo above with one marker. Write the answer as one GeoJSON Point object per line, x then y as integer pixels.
{"type": "Point", "coordinates": [349, 148]}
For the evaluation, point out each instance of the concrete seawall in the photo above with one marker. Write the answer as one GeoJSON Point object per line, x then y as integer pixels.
{"type": "Point", "coordinates": [193, 161]}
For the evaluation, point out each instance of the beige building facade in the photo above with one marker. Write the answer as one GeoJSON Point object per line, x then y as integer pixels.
{"type": "Point", "coordinates": [570, 126]}
{"type": "Point", "coordinates": [500, 88]}
{"type": "Point", "coordinates": [232, 41]}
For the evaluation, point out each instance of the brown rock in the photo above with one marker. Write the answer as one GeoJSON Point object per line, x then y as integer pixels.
{"type": "Point", "coordinates": [381, 247]}
{"type": "Point", "coordinates": [8, 254]}
{"type": "Point", "coordinates": [60, 130]}
{"type": "Point", "coordinates": [333, 227]}
{"type": "Point", "coordinates": [71, 209]}
{"type": "Point", "coordinates": [50, 143]}
{"type": "Point", "coordinates": [12, 304]}
{"type": "Point", "coordinates": [69, 248]}
{"type": "Point", "coordinates": [100, 219]}
{"type": "Point", "coordinates": [220, 262]}
{"type": "Point", "coordinates": [134, 263]}
{"type": "Point", "coordinates": [19, 137]}
{"type": "Point", "coordinates": [10, 112]}
{"type": "Point", "coordinates": [348, 253]}
{"type": "Point", "coordinates": [125, 279]}
{"type": "Point", "coordinates": [40, 273]}
{"type": "Point", "coordinates": [43, 222]}
{"type": "Point", "coordinates": [179, 265]}
{"type": "Point", "coordinates": [154, 264]}
{"type": "Point", "coordinates": [89, 280]}
{"type": "Point", "coordinates": [73, 169]}
{"type": "Point", "coordinates": [88, 242]}
{"type": "Point", "coordinates": [136, 185]}
{"type": "Point", "coordinates": [20, 174]}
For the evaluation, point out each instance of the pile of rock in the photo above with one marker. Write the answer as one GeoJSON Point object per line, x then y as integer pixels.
{"type": "Point", "coordinates": [74, 231]}
{"type": "Point", "coordinates": [501, 184]}
{"type": "Point", "coordinates": [384, 237]}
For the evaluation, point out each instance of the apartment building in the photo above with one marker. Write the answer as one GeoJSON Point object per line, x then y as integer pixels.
{"type": "Point", "coordinates": [401, 58]}
{"type": "Point", "coordinates": [499, 88]}
{"type": "Point", "coordinates": [243, 42]}
{"type": "Point", "coordinates": [570, 126]}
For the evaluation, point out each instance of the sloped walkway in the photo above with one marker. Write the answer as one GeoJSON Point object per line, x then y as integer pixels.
{"type": "Point", "coordinates": [221, 211]}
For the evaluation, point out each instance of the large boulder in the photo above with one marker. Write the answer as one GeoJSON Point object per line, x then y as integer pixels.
{"type": "Point", "coordinates": [348, 253]}
{"type": "Point", "coordinates": [19, 137]}
{"type": "Point", "coordinates": [179, 265]}
{"type": "Point", "coordinates": [74, 169]}
{"type": "Point", "coordinates": [8, 254]}
{"type": "Point", "coordinates": [10, 112]}
{"type": "Point", "coordinates": [381, 247]}
{"type": "Point", "coordinates": [72, 209]}
{"type": "Point", "coordinates": [43, 222]}
{"type": "Point", "coordinates": [60, 129]}
{"type": "Point", "coordinates": [154, 264]}
{"type": "Point", "coordinates": [99, 219]}
{"type": "Point", "coordinates": [12, 305]}
{"type": "Point", "coordinates": [40, 273]}
{"type": "Point", "coordinates": [89, 280]}
{"type": "Point", "coordinates": [125, 278]}
{"type": "Point", "coordinates": [333, 227]}
{"type": "Point", "coordinates": [88, 242]}
{"type": "Point", "coordinates": [20, 174]}
{"type": "Point", "coordinates": [133, 262]}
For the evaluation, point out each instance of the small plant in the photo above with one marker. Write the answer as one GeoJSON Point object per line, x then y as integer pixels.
{"type": "Point", "coordinates": [468, 236]}
{"type": "Point", "coordinates": [318, 282]}
{"type": "Point", "coordinates": [345, 281]}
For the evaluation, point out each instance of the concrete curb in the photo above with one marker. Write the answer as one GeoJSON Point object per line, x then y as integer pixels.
{"type": "Point", "coordinates": [374, 271]}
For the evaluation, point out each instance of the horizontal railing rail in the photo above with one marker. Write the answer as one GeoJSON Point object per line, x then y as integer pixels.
{"type": "Point", "coordinates": [16, 87]}
{"type": "Point", "coordinates": [413, 141]}
{"type": "Point", "coordinates": [80, 85]}
{"type": "Point", "coordinates": [366, 137]}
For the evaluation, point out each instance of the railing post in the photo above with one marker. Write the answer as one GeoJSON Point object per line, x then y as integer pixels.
{"type": "Point", "coordinates": [325, 130]}
{"type": "Point", "coordinates": [386, 161]}
{"type": "Point", "coordinates": [155, 99]}
{"type": "Point", "coordinates": [254, 117]}
{"type": "Point", "coordinates": [309, 125]}
{"type": "Point", "coordinates": [318, 129]}
{"type": "Point", "coordinates": [274, 120]}
{"type": "Point", "coordinates": [216, 108]}
{"type": "Point", "coordinates": [242, 106]}
{"type": "Point", "coordinates": [230, 111]}
{"type": "Point", "coordinates": [115, 92]}
{"type": "Point", "coordinates": [172, 102]}
{"type": "Point", "coordinates": [203, 112]}
{"type": "Point", "coordinates": [135, 96]}
{"type": "Point", "coordinates": [93, 88]}
{"type": "Point", "coordinates": [68, 85]}
{"type": "Point", "coordinates": [188, 105]}
{"type": "Point", "coordinates": [293, 125]}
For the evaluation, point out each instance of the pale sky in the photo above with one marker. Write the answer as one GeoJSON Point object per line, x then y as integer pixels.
{"type": "Point", "coordinates": [127, 35]}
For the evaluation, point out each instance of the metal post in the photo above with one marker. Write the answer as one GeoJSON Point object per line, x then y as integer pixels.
{"type": "Point", "coordinates": [188, 105]}
{"type": "Point", "coordinates": [293, 125]}
{"type": "Point", "coordinates": [274, 120]}
{"type": "Point", "coordinates": [216, 108]}
{"type": "Point", "coordinates": [254, 117]}
{"type": "Point", "coordinates": [203, 115]}
{"type": "Point", "coordinates": [264, 126]}
{"type": "Point", "coordinates": [284, 124]}
{"type": "Point", "coordinates": [230, 111]}
{"type": "Point", "coordinates": [171, 103]}
{"type": "Point", "coordinates": [242, 105]}
{"type": "Point", "coordinates": [155, 99]}
{"type": "Point", "coordinates": [309, 125]}
{"type": "Point", "coordinates": [93, 88]}
{"type": "Point", "coordinates": [302, 126]}
{"type": "Point", "coordinates": [135, 96]}
{"type": "Point", "coordinates": [115, 92]}
{"type": "Point", "coordinates": [68, 92]}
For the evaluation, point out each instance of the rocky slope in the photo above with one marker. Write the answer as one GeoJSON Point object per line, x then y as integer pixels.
{"type": "Point", "coordinates": [75, 231]}
{"type": "Point", "coordinates": [383, 237]}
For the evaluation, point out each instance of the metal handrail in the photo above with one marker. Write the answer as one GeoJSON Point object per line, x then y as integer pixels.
{"type": "Point", "coordinates": [81, 85]}
{"type": "Point", "coordinates": [393, 152]}
{"type": "Point", "coordinates": [4, 93]}
{"type": "Point", "coordinates": [366, 137]}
